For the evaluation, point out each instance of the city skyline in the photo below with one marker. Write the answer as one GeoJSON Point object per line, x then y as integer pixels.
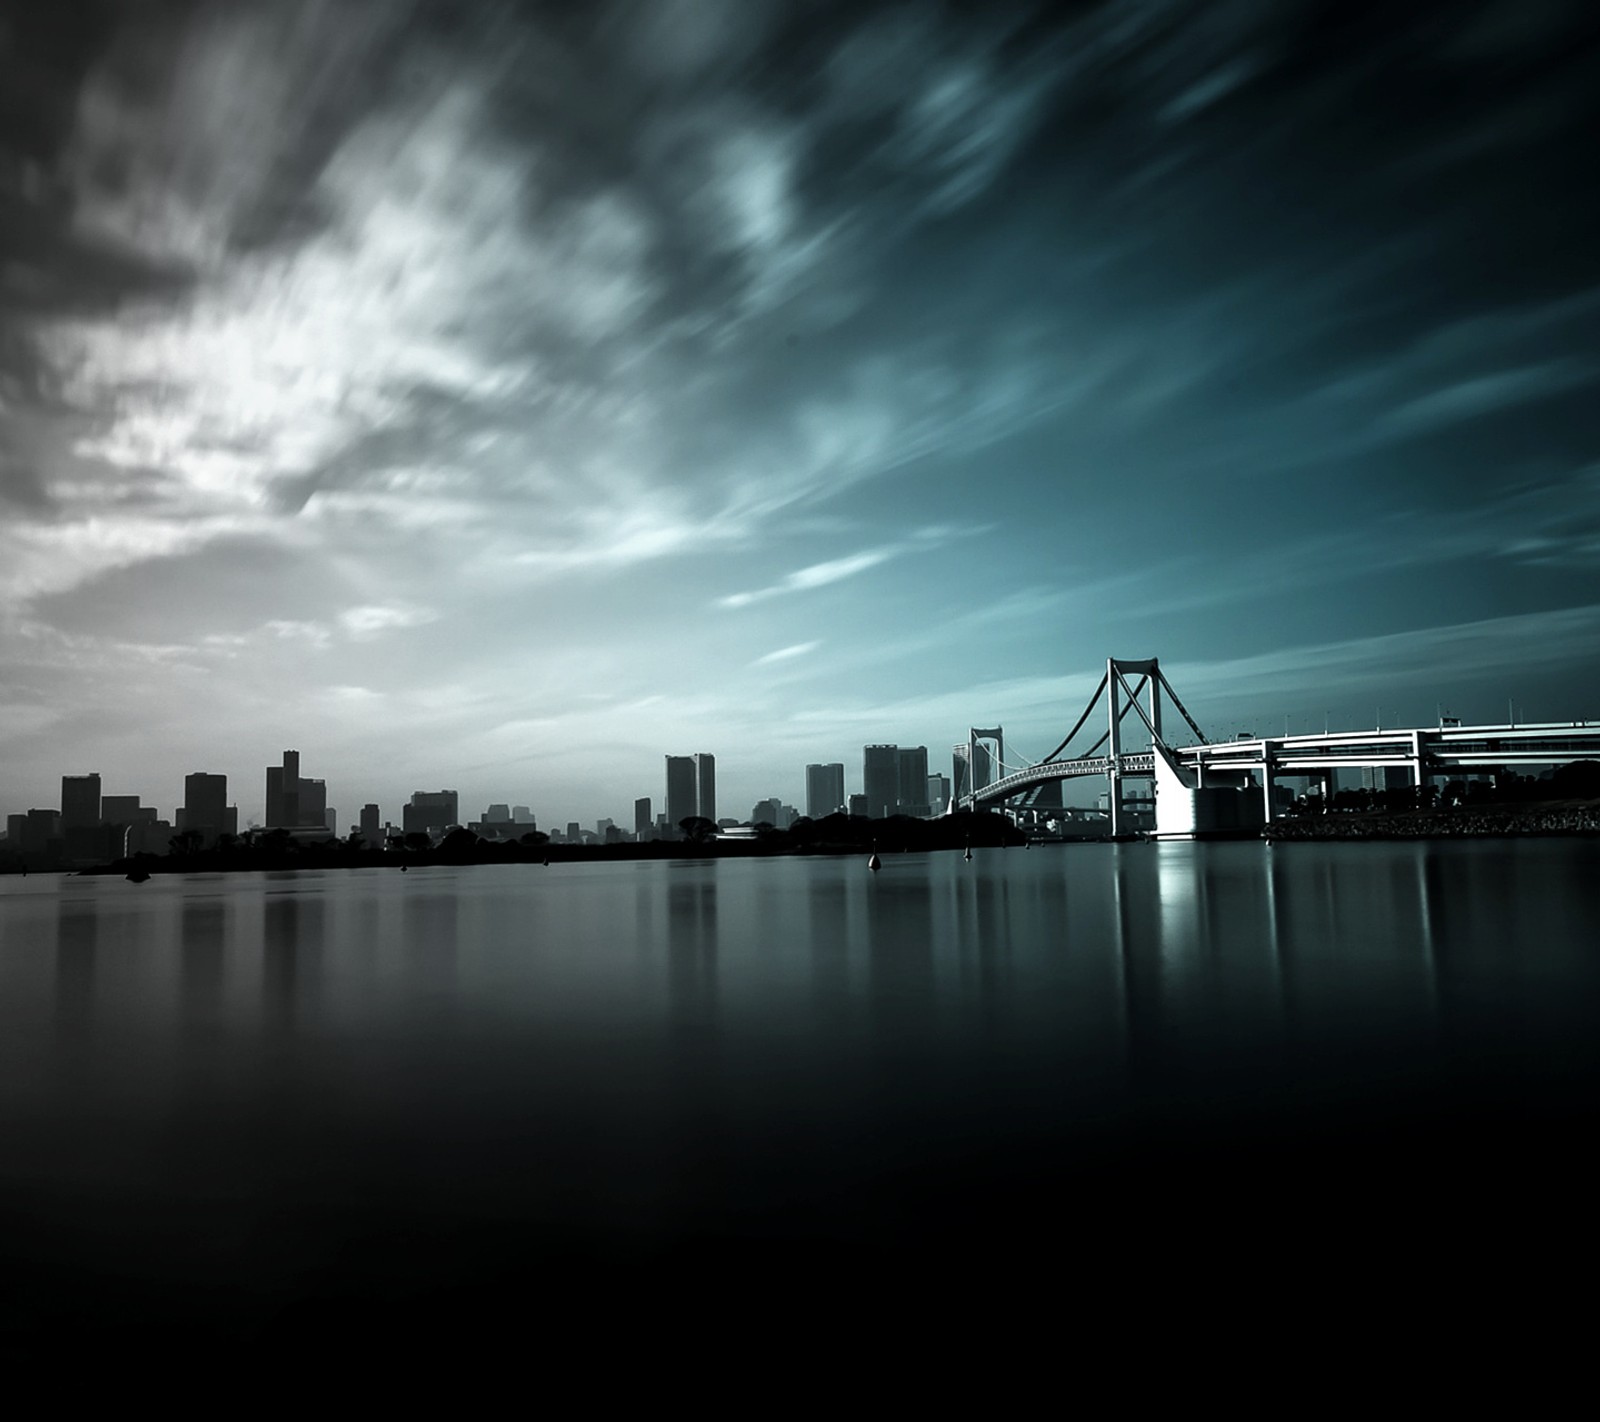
{"type": "Point", "coordinates": [499, 398]}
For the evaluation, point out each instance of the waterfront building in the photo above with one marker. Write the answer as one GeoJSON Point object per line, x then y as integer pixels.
{"type": "Point", "coordinates": [705, 775]}
{"type": "Point", "coordinates": [80, 801]}
{"type": "Point", "coordinates": [858, 805]}
{"type": "Point", "coordinates": [294, 802]}
{"type": "Point", "coordinates": [205, 805]}
{"type": "Point", "coordinates": [683, 791]}
{"type": "Point", "coordinates": [430, 812]}
{"type": "Point", "coordinates": [124, 810]}
{"type": "Point", "coordinates": [911, 791]}
{"type": "Point", "coordinates": [824, 789]}
{"type": "Point", "coordinates": [938, 794]}
{"type": "Point", "coordinates": [370, 831]}
{"type": "Point", "coordinates": [641, 817]}
{"type": "Point", "coordinates": [880, 779]}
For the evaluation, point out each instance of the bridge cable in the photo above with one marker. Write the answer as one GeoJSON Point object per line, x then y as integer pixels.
{"type": "Point", "coordinates": [1093, 702]}
{"type": "Point", "coordinates": [1106, 735]}
{"type": "Point", "coordinates": [1182, 710]}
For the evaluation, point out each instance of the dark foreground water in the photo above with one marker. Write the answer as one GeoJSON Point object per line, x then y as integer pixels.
{"type": "Point", "coordinates": [467, 1103]}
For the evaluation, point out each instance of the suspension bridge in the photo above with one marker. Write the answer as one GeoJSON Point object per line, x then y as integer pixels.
{"type": "Point", "coordinates": [1203, 787]}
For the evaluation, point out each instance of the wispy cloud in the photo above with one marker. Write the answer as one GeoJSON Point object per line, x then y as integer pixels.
{"type": "Point", "coordinates": [816, 576]}
{"type": "Point", "coordinates": [1486, 394]}
{"type": "Point", "coordinates": [785, 654]}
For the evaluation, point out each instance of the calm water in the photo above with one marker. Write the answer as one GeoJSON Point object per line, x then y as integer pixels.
{"type": "Point", "coordinates": [255, 1104]}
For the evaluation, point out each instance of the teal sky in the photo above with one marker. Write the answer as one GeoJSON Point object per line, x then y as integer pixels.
{"type": "Point", "coordinates": [504, 396]}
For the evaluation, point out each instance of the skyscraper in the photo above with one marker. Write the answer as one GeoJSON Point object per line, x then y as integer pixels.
{"type": "Point", "coordinates": [641, 817]}
{"type": "Point", "coordinates": [80, 801]}
{"type": "Point", "coordinates": [911, 793]}
{"type": "Point", "coordinates": [880, 779]}
{"type": "Point", "coordinates": [824, 789]}
{"type": "Point", "coordinates": [205, 804]}
{"type": "Point", "coordinates": [973, 775]}
{"type": "Point", "coordinates": [370, 830]}
{"type": "Point", "coordinates": [938, 794]}
{"type": "Point", "coordinates": [683, 791]}
{"type": "Point", "coordinates": [705, 774]}
{"type": "Point", "coordinates": [283, 792]}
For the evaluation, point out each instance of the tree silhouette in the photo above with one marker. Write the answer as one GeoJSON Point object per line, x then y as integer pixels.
{"type": "Point", "coordinates": [697, 829]}
{"type": "Point", "coordinates": [186, 842]}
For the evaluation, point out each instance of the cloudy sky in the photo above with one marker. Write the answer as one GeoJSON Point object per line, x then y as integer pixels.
{"type": "Point", "coordinates": [502, 396]}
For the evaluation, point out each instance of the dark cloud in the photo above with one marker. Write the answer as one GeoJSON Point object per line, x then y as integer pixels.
{"type": "Point", "coordinates": [349, 324]}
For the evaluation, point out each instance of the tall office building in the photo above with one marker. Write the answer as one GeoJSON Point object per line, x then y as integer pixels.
{"type": "Point", "coordinates": [683, 791]}
{"type": "Point", "coordinates": [938, 794]}
{"type": "Point", "coordinates": [314, 803]}
{"type": "Point", "coordinates": [641, 817]}
{"type": "Point", "coordinates": [766, 812]}
{"type": "Point", "coordinates": [973, 776]}
{"type": "Point", "coordinates": [205, 804]}
{"type": "Point", "coordinates": [705, 775]}
{"type": "Point", "coordinates": [824, 789]}
{"type": "Point", "coordinates": [371, 830]}
{"type": "Point", "coordinates": [430, 810]}
{"type": "Point", "coordinates": [80, 801]}
{"type": "Point", "coordinates": [880, 779]}
{"type": "Point", "coordinates": [294, 803]}
{"type": "Point", "coordinates": [911, 794]}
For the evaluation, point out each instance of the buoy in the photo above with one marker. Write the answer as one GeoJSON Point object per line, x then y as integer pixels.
{"type": "Point", "coordinates": [874, 863]}
{"type": "Point", "coordinates": [403, 868]}
{"type": "Point", "coordinates": [968, 854]}
{"type": "Point", "coordinates": [547, 861]}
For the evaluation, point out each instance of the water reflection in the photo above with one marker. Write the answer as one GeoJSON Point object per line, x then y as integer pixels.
{"type": "Point", "coordinates": [899, 933]}
{"type": "Point", "coordinates": [291, 940]}
{"type": "Point", "coordinates": [828, 932]}
{"type": "Point", "coordinates": [777, 1046]}
{"type": "Point", "coordinates": [202, 932]}
{"type": "Point", "coordinates": [692, 956]}
{"type": "Point", "coordinates": [431, 934]}
{"type": "Point", "coordinates": [77, 944]}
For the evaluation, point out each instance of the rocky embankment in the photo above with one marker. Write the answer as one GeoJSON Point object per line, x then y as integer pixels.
{"type": "Point", "coordinates": [1445, 824]}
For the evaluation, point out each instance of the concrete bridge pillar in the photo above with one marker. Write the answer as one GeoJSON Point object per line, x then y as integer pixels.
{"type": "Point", "coordinates": [1266, 783]}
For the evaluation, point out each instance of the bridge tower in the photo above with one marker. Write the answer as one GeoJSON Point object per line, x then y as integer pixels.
{"type": "Point", "coordinates": [1120, 698]}
{"type": "Point", "coordinates": [977, 776]}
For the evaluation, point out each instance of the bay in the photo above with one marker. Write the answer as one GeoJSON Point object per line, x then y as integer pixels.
{"type": "Point", "coordinates": [249, 1105]}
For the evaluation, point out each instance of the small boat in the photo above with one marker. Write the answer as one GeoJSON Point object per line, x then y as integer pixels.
{"type": "Point", "coordinates": [137, 876]}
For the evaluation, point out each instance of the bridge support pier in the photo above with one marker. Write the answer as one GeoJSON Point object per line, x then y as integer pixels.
{"type": "Point", "coordinates": [1114, 775]}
